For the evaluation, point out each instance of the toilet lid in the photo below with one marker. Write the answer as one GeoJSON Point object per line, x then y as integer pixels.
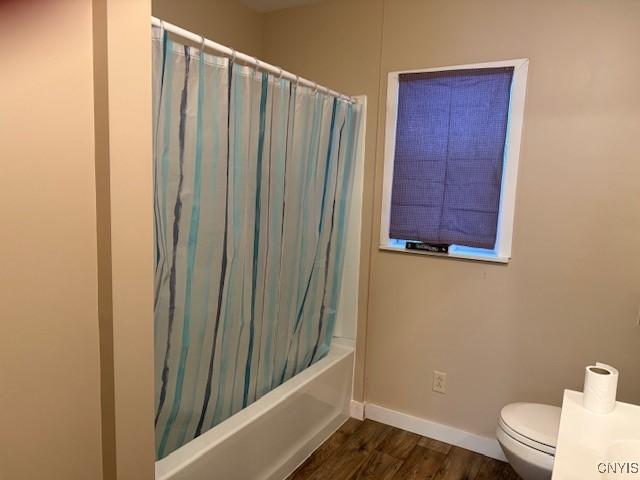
{"type": "Point", "coordinates": [536, 422]}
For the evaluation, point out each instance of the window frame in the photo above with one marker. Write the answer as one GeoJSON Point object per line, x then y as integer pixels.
{"type": "Point", "coordinates": [502, 251]}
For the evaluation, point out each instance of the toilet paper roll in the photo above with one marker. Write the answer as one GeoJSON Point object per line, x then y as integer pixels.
{"type": "Point", "coordinates": [600, 386]}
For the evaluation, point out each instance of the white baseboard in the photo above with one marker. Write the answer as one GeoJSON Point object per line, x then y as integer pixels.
{"type": "Point", "coordinates": [356, 410]}
{"type": "Point", "coordinates": [438, 431]}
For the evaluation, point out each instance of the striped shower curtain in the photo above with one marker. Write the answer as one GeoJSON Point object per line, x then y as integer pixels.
{"type": "Point", "coordinates": [252, 183]}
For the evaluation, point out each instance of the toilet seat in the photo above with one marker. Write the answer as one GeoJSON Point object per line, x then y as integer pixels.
{"type": "Point", "coordinates": [532, 424]}
{"type": "Point", "coordinates": [541, 447]}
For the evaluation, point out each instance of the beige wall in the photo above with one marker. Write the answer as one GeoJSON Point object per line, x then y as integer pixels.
{"type": "Point", "coordinates": [76, 372]}
{"type": "Point", "coordinates": [130, 251]}
{"type": "Point", "coordinates": [570, 295]}
{"type": "Point", "coordinates": [49, 356]}
{"type": "Point", "coordinates": [225, 21]}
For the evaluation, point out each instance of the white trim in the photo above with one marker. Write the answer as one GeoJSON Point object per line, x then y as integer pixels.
{"type": "Point", "coordinates": [389, 154]}
{"type": "Point", "coordinates": [346, 323]}
{"type": "Point", "coordinates": [516, 63]}
{"type": "Point", "coordinates": [356, 410]}
{"type": "Point", "coordinates": [510, 171]}
{"type": "Point", "coordinates": [512, 157]}
{"type": "Point", "coordinates": [438, 431]}
{"type": "Point", "coordinates": [347, 313]}
{"type": "Point", "coordinates": [465, 256]}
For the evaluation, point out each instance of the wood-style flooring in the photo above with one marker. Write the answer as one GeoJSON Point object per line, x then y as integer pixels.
{"type": "Point", "coordinates": [373, 451]}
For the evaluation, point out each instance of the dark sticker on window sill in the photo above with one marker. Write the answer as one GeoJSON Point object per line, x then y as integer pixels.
{"type": "Point", "coordinates": [427, 247]}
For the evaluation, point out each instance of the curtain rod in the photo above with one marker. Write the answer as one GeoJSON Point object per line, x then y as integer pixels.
{"type": "Point", "coordinates": [244, 58]}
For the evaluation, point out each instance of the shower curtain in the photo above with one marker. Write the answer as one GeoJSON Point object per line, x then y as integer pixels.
{"type": "Point", "coordinates": [252, 183]}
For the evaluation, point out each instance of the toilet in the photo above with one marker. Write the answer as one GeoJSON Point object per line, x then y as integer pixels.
{"type": "Point", "coordinates": [527, 433]}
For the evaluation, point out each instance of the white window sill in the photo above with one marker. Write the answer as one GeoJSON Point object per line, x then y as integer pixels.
{"type": "Point", "coordinates": [481, 257]}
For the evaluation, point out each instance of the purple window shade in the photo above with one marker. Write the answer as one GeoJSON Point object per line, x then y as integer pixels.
{"type": "Point", "coordinates": [450, 142]}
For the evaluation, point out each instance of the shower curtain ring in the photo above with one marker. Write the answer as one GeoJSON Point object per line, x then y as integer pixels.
{"type": "Point", "coordinates": [202, 40]}
{"type": "Point", "coordinates": [233, 55]}
{"type": "Point", "coordinates": [315, 87]}
{"type": "Point", "coordinates": [255, 59]}
{"type": "Point", "coordinates": [280, 73]}
{"type": "Point", "coordinates": [297, 80]}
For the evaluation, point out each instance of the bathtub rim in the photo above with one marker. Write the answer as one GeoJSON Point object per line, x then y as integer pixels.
{"type": "Point", "coordinates": [190, 452]}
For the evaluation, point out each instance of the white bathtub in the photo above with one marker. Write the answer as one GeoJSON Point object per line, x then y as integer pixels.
{"type": "Point", "coordinates": [271, 437]}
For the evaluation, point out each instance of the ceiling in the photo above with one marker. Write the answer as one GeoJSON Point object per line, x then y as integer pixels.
{"type": "Point", "coordinates": [270, 5]}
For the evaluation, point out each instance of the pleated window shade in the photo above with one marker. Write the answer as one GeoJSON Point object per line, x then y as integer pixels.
{"type": "Point", "coordinates": [450, 142]}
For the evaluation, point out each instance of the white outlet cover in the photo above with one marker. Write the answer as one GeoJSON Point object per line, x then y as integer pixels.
{"type": "Point", "coordinates": [439, 382]}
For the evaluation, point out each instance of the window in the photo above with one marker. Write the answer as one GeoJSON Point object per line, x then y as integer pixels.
{"type": "Point", "coordinates": [451, 159]}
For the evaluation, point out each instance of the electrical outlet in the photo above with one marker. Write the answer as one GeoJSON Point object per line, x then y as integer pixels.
{"type": "Point", "coordinates": [439, 382]}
